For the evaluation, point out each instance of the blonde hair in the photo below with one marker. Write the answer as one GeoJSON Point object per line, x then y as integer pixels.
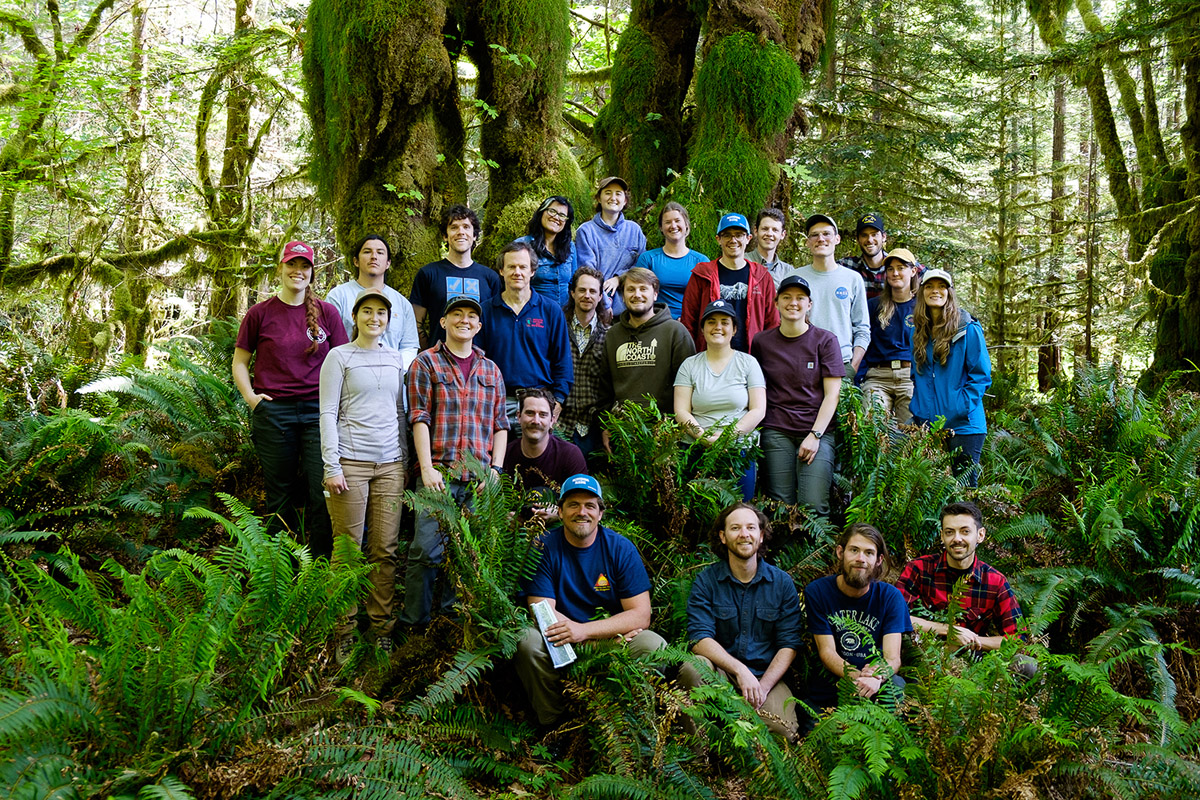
{"type": "Point", "coordinates": [887, 304]}
{"type": "Point", "coordinates": [925, 330]}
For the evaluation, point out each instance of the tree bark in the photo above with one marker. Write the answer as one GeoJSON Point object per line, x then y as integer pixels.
{"type": "Point", "coordinates": [382, 98]}
{"type": "Point", "coordinates": [520, 48]}
{"type": "Point", "coordinates": [641, 131]}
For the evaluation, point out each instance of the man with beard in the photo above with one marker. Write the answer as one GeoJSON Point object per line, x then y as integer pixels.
{"type": "Point", "coordinates": [988, 604]}
{"type": "Point", "coordinates": [595, 582]}
{"type": "Point", "coordinates": [857, 622]}
{"type": "Point", "coordinates": [588, 320]}
{"type": "Point", "coordinates": [643, 350]}
{"type": "Point", "coordinates": [744, 618]}
{"type": "Point", "coordinates": [541, 459]}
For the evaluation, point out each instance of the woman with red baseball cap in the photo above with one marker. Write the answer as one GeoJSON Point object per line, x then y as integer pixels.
{"type": "Point", "coordinates": [288, 336]}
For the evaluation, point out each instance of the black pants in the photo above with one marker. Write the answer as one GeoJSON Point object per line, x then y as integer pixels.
{"type": "Point", "coordinates": [287, 438]}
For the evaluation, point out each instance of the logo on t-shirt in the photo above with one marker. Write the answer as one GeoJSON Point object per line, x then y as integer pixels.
{"type": "Point", "coordinates": [602, 584]}
{"type": "Point", "coordinates": [810, 365]}
{"type": "Point", "coordinates": [734, 291]}
{"type": "Point", "coordinates": [636, 354]}
{"type": "Point", "coordinates": [319, 338]}
{"type": "Point", "coordinates": [908, 322]}
{"type": "Point", "coordinates": [535, 322]}
{"type": "Point", "coordinates": [458, 286]}
{"type": "Point", "coordinates": [841, 293]}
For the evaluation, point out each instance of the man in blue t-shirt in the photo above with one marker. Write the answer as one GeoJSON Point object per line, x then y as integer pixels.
{"type": "Point", "coordinates": [857, 622]}
{"type": "Point", "coordinates": [594, 579]}
{"type": "Point", "coordinates": [456, 275]}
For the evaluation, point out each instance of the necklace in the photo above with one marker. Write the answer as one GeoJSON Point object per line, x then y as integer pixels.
{"type": "Point", "coordinates": [376, 367]}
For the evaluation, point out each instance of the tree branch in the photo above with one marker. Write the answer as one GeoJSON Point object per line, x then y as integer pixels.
{"type": "Point", "coordinates": [24, 274]}
{"type": "Point", "coordinates": [24, 28]}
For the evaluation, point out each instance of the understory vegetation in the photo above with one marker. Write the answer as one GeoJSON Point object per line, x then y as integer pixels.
{"type": "Point", "coordinates": [156, 642]}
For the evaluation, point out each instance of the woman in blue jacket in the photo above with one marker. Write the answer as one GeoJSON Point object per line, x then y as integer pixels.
{"type": "Point", "coordinates": [951, 370]}
{"type": "Point", "coordinates": [549, 232]}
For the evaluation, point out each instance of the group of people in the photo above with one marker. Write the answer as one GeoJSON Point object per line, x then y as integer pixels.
{"type": "Point", "coordinates": [563, 329]}
{"type": "Point", "coordinates": [744, 617]}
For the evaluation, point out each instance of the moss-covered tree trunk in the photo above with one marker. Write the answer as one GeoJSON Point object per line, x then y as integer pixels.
{"type": "Point", "coordinates": [520, 48]}
{"type": "Point", "coordinates": [641, 130]}
{"type": "Point", "coordinates": [753, 57]}
{"type": "Point", "coordinates": [1175, 268]}
{"type": "Point", "coordinates": [387, 140]}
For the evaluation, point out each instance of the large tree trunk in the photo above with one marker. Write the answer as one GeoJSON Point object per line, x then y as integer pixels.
{"type": "Point", "coordinates": [641, 131]}
{"type": "Point", "coordinates": [746, 90]}
{"type": "Point", "coordinates": [386, 147]}
{"type": "Point", "coordinates": [1175, 268]}
{"type": "Point", "coordinates": [131, 301]}
{"type": "Point", "coordinates": [520, 48]}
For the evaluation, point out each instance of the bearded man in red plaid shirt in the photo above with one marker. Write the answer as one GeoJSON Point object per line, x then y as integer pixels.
{"type": "Point", "coordinates": [989, 608]}
{"type": "Point", "coordinates": [455, 409]}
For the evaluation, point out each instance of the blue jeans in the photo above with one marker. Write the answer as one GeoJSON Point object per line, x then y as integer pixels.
{"type": "Point", "coordinates": [790, 480]}
{"type": "Point", "coordinates": [425, 556]}
{"type": "Point", "coordinates": [287, 439]}
{"type": "Point", "coordinates": [967, 449]}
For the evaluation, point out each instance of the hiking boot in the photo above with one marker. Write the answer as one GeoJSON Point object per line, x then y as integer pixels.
{"type": "Point", "coordinates": [343, 648]}
{"type": "Point", "coordinates": [385, 645]}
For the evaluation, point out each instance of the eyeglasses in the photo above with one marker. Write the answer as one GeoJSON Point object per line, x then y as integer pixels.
{"type": "Point", "coordinates": [822, 235]}
{"type": "Point", "coordinates": [558, 215]}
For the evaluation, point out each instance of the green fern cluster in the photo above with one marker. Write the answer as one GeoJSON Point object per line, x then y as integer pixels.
{"type": "Point", "coordinates": [662, 479]}
{"type": "Point", "coordinates": [128, 676]}
{"type": "Point", "coordinates": [899, 481]}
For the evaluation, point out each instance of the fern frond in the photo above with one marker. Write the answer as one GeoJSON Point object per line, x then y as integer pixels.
{"type": "Point", "coordinates": [468, 668]}
{"type": "Point", "coordinates": [168, 788]}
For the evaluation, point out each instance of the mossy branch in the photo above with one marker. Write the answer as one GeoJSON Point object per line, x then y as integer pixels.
{"type": "Point", "coordinates": [24, 28]}
{"type": "Point", "coordinates": [27, 273]}
{"type": "Point", "coordinates": [591, 76]}
{"type": "Point", "coordinates": [11, 93]}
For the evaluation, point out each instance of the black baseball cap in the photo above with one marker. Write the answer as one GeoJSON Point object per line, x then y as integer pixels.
{"type": "Point", "coordinates": [872, 220]}
{"type": "Point", "coordinates": [794, 280]}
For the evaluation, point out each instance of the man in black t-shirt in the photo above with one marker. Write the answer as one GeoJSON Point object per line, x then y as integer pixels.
{"type": "Point", "coordinates": [456, 275]}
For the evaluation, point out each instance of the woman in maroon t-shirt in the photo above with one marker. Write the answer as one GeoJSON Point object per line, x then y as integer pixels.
{"type": "Point", "coordinates": [288, 336]}
{"type": "Point", "coordinates": [803, 368]}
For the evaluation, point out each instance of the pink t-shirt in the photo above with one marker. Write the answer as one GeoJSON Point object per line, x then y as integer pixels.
{"type": "Point", "coordinates": [277, 334]}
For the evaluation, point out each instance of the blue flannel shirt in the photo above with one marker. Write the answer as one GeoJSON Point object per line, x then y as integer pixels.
{"type": "Point", "coordinates": [752, 621]}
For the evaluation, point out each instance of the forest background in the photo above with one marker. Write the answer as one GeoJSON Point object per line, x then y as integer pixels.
{"type": "Point", "coordinates": [155, 156]}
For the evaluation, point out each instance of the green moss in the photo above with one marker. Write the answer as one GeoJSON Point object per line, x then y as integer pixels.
{"type": "Point", "coordinates": [649, 142]}
{"type": "Point", "coordinates": [746, 82]}
{"type": "Point", "coordinates": [568, 181]}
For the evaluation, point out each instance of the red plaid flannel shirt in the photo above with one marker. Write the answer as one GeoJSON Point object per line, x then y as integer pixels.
{"type": "Point", "coordinates": [988, 603]}
{"type": "Point", "coordinates": [462, 416]}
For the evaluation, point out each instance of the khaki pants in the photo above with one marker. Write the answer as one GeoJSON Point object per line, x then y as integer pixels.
{"type": "Point", "coordinates": [372, 499]}
{"type": "Point", "coordinates": [542, 680]}
{"type": "Point", "coordinates": [893, 387]}
{"type": "Point", "coordinates": [776, 712]}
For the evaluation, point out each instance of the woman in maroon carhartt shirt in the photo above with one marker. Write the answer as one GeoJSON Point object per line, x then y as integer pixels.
{"type": "Point", "coordinates": [288, 336]}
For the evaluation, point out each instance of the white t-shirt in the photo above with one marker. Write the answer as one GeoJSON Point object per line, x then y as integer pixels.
{"type": "Point", "coordinates": [720, 399]}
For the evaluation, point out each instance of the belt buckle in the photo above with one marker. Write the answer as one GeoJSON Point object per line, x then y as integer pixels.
{"type": "Point", "coordinates": [897, 365]}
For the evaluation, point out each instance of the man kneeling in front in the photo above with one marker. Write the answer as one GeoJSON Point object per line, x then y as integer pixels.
{"type": "Point", "coordinates": [584, 566]}
{"type": "Point", "coordinates": [744, 619]}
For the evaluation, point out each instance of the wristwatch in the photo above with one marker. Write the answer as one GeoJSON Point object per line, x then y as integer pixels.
{"type": "Point", "coordinates": [817, 435]}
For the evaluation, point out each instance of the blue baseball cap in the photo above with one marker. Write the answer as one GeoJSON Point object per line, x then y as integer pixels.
{"type": "Point", "coordinates": [580, 483]}
{"type": "Point", "coordinates": [732, 220]}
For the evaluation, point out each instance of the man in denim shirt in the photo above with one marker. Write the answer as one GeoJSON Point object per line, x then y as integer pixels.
{"type": "Point", "coordinates": [744, 618]}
